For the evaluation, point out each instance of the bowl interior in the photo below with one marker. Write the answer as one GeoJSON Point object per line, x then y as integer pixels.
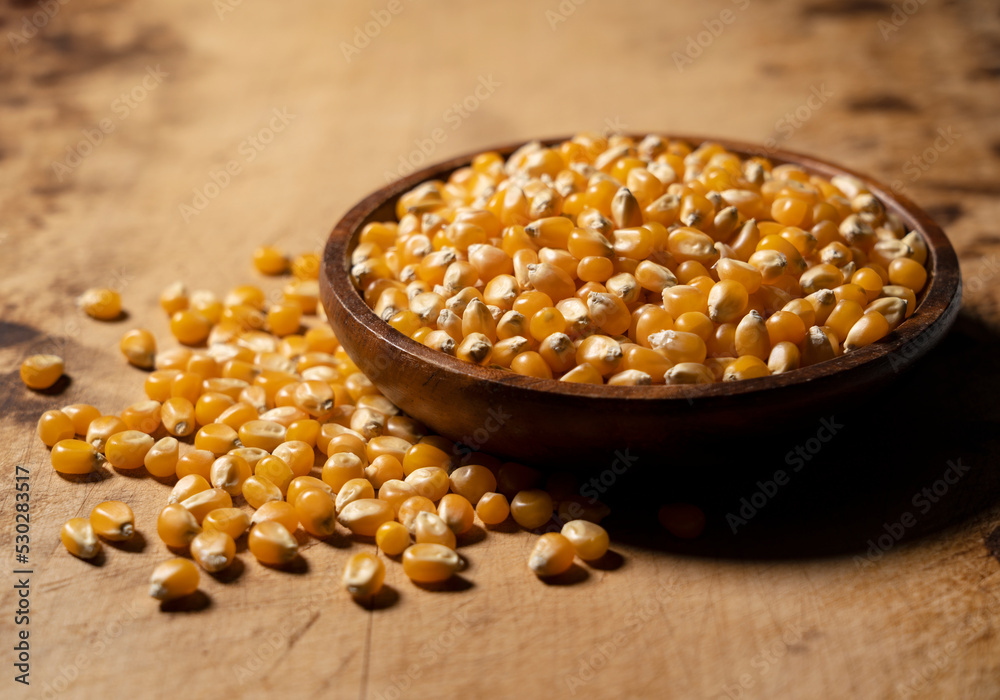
{"type": "Point", "coordinates": [937, 304]}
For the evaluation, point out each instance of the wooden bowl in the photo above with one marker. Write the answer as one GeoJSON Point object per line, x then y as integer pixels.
{"type": "Point", "coordinates": [565, 425]}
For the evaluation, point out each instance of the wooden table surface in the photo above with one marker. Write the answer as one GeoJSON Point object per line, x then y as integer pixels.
{"type": "Point", "coordinates": [117, 123]}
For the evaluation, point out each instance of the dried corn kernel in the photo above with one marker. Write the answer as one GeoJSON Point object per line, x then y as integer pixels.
{"type": "Point", "coordinates": [174, 578]}
{"type": "Point", "coordinates": [79, 538]}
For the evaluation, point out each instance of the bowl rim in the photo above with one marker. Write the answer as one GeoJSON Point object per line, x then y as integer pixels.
{"type": "Point", "coordinates": [937, 307]}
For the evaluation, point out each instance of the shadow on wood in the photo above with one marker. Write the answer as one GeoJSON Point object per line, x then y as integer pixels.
{"type": "Point", "coordinates": [900, 464]}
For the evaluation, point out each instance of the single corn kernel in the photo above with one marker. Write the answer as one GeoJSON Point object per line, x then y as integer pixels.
{"type": "Point", "coordinates": [41, 371]}
{"type": "Point", "coordinates": [79, 538]}
{"type": "Point", "coordinates": [270, 261]}
{"type": "Point", "coordinates": [229, 472]}
{"type": "Point", "coordinates": [204, 502]}
{"type": "Point", "coordinates": [127, 449]}
{"type": "Point", "coordinates": [301, 484]}
{"type": "Point", "coordinates": [139, 348]}
{"type": "Point", "coordinates": [161, 459]}
{"type": "Point", "coordinates": [552, 555]}
{"type": "Point", "coordinates": [176, 526]}
{"type": "Point", "coordinates": [143, 416]}
{"type": "Point", "coordinates": [214, 550]}
{"type": "Point", "coordinates": [186, 487]}
{"type": "Point", "coordinates": [472, 481]}
{"type": "Point", "coordinates": [364, 516]}
{"type": "Point", "coordinates": [217, 438]}
{"type": "Point", "coordinates": [258, 491]}
{"type": "Point", "coordinates": [316, 512]}
{"type": "Point", "coordinates": [590, 540]}
{"type": "Point", "coordinates": [195, 462]}
{"type": "Point", "coordinates": [271, 543]}
{"type": "Point", "coordinates": [364, 574]}
{"type": "Point", "coordinates": [457, 513]}
{"type": "Point", "coordinates": [54, 426]}
{"type": "Point", "coordinates": [190, 327]}
{"type": "Point", "coordinates": [392, 538]}
{"type": "Point", "coordinates": [429, 527]}
{"type": "Point", "coordinates": [232, 521]}
{"type": "Point", "coordinates": [430, 563]}
{"type": "Point", "coordinates": [340, 468]}
{"type": "Point", "coordinates": [113, 520]}
{"type": "Point", "coordinates": [382, 469]}
{"type": "Point", "coordinates": [174, 298]}
{"type": "Point", "coordinates": [279, 511]}
{"type": "Point", "coordinates": [297, 454]}
{"type": "Point", "coordinates": [81, 414]}
{"type": "Point", "coordinates": [872, 326]}
{"type": "Point", "coordinates": [492, 508]}
{"type": "Point", "coordinates": [354, 490]}
{"type": "Point", "coordinates": [265, 434]}
{"type": "Point", "coordinates": [531, 508]}
{"type": "Point", "coordinates": [174, 578]}
{"type": "Point", "coordinates": [101, 303]}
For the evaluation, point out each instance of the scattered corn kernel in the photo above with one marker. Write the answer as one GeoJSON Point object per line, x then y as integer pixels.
{"type": "Point", "coordinates": [41, 371]}
{"type": "Point", "coordinates": [364, 574]}
{"type": "Point", "coordinates": [174, 578]}
{"type": "Point", "coordinates": [79, 538]}
{"type": "Point", "coordinates": [113, 520]}
{"type": "Point", "coordinates": [552, 555]}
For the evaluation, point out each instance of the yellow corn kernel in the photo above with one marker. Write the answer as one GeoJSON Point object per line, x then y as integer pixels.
{"type": "Point", "coordinates": [892, 308]}
{"type": "Point", "coordinates": [272, 544]}
{"type": "Point", "coordinates": [907, 273]}
{"type": "Point", "coordinates": [364, 516]}
{"type": "Point", "coordinates": [843, 317]}
{"type": "Point", "coordinates": [236, 416]}
{"type": "Point", "coordinates": [301, 484]}
{"type": "Point", "coordinates": [689, 373]}
{"type": "Point", "coordinates": [679, 346]}
{"type": "Point", "coordinates": [217, 438]}
{"type": "Point", "coordinates": [425, 454]}
{"type": "Point", "coordinates": [178, 416]}
{"type": "Point", "coordinates": [81, 415]}
{"type": "Point", "coordinates": [54, 426]}
{"type": "Point", "coordinates": [727, 301]}
{"type": "Point", "coordinates": [745, 367]}
{"type": "Point", "coordinates": [457, 513]}
{"type": "Point", "coordinates": [139, 348]}
{"type": "Point", "coordinates": [851, 292]}
{"type": "Point", "coordinates": [818, 346]}
{"type": "Point", "coordinates": [204, 502]}
{"type": "Point", "coordinates": [190, 327]}
{"type": "Point", "coordinates": [752, 336]}
{"type": "Point", "coordinates": [531, 508]}
{"type": "Point", "coordinates": [214, 550]}
{"type": "Point", "coordinates": [303, 431]}
{"type": "Point", "coordinates": [590, 541]}
{"type": "Point", "coordinates": [41, 371]}
{"type": "Point", "coordinates": [270, 261]}
{"type": "Point", "coordinates": [492, 508]}
{"type": "Point", "coordinates": [174, 298]}
{"type": "Point", "coordinates": [430, 563]}
{"type": "Point", "coordinates": [232, 521]}
{"type": "Point", "coordinates": [143, 416]}
{"type": "Point", "coordinates": [258, 491]}
{"type": "Point", "coordinates": [784, 357]}
{"type": "Point", "coordinates": [195, 462]}
{"type": "Point", "coordinates": [430, 482]}
{"type": "Point", "coordinates": [413, 506]}
{"type": "Point", "coordinates": [101, 303]}
{"type": "Point", "coordinates": [127, 449]}
{"type": "Point", "coordinates": [316, 512]}
{"type": "Point", "coordinates": [382, 469]}
{"type": "Point", "coordinates": [229, 472]}
{"type": "Point", "coordinates": [872, 326]}
{"type": "Point", "coordinates": [341, 467]}
{"type": "Point", "coordinates": [552, 555]}
{"type": "Point", "coordinates": [174, 578]}
{"type": "Point", "coordinates": [364, 574]}
{"type": "Point", "coordinates": [472, 482]}
{"type": "Point", "coordinates": [354, 490]}
{"type": "Point", "coordinates": [210, 406]}
{"type": "Point", "coordinates": [79, 538]}
{"type": "Point", "coordinates": [392, 538]}
{"type": "Point", "coordinates": [177, 526]}
{"type": "Point", "coordinates": [738, 271]}
{"type": "Point", "coordinates": [431, 528]}
{"type": "Point", "coordinates": [186, 487]}
{"type": "Point", "coordinates": [113, 520]}
{"type": "Point", "coordinates": [161, 459]}
{"type": "Point", "coordinates": [395, 492]}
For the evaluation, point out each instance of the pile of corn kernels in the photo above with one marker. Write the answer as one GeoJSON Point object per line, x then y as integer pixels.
{"type": "Point", "coordinates": [625, 262]}
{"type": "Point", "coordinates": [264, 425]}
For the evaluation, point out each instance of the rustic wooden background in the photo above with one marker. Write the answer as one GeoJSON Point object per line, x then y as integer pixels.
{"type": "Point", "coordinates": [114, 115]}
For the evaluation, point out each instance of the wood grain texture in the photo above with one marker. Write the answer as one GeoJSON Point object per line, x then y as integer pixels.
{"type": "Point", "coordinates": [795, 604]}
